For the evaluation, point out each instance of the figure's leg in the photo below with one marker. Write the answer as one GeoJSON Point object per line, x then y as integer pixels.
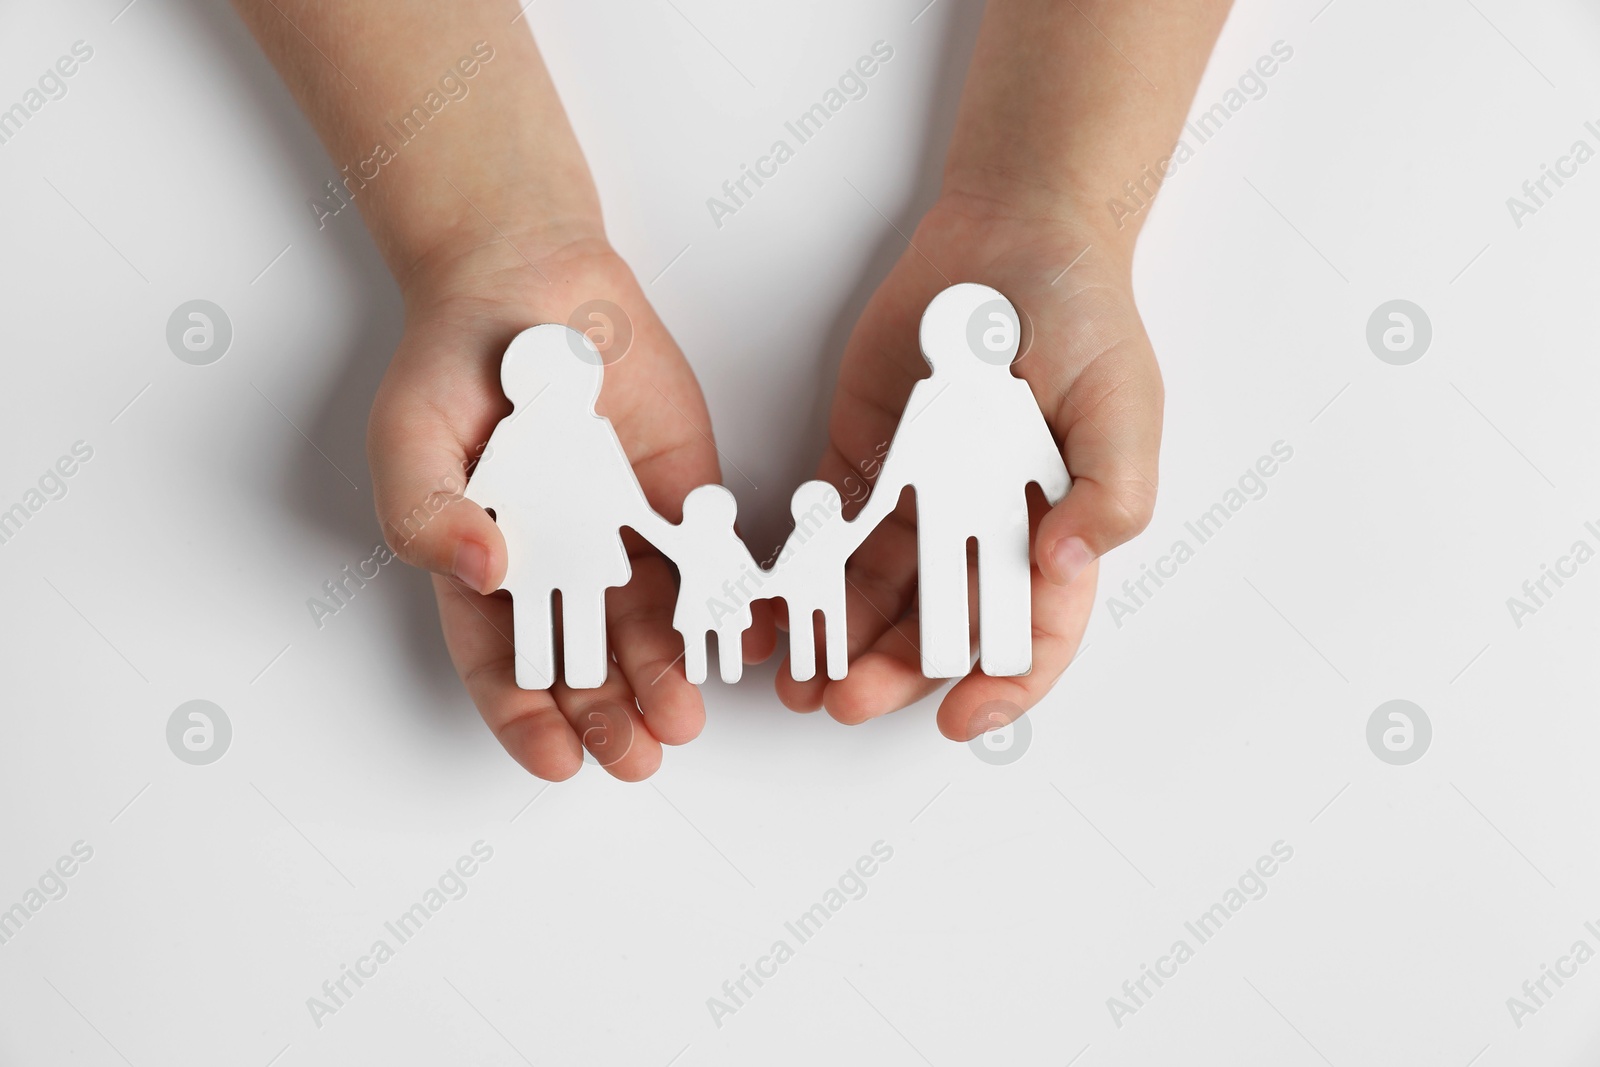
{"type": "Point", "coordinates": [1005, 603]}
{"type": "Point", "coordinates": [835, 629]}
{"type": "Point", "coordinates": [694, 656]}
{"type": "Point", "coordinates": [942, 602]}
{"type": "Point", "coordinates": [802, 644]}
{"type": "Point", "coordinates": [533, 633]}
{"type": "Point", "coordinates": [583, 633]}
{"type": "Point", "coordinates": [730, 652]}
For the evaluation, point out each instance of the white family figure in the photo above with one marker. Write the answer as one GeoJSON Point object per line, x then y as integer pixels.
{"type": "Point", "coordinates": [561, 489]}
{"type": "Point", "coordinates": [717, 580]}
{"type": "Point", "coordinates": [809, 576]}
{"type": "Point", "coordinates": [970, 442]}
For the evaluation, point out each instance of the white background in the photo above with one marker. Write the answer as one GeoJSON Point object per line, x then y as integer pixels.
{"type": "Point", "coordinates": [1227, 714]}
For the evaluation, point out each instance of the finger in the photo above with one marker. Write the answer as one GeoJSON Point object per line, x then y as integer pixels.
{"type": "Point", "coordinates": [759, 642]}
{"type": "Point", "coordinates": [884, 678]}
{"type": "Point", "coordinates": [979, 703]}
{"type": "Point", "coordinates": [608, 724]}
{"type": "Point", "coordinates": [477, 632]}
{"type": "Point", "coordinates": [1113, 440]}
{"type": "Point", "coordinates": [650, 653]}
{"type": "Point", "coordinates": [890, 674]}
{"type": "Point", "coordinates": [419, 468]}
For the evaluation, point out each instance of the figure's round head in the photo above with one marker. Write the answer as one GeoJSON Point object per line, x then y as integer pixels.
{"type": "Point", "coordinates": [970, 328]}
{"type": "Point", "coordinates": [710, 506]}
{"type": "Point", "coordinates": [541, 358]}
{"type": "Point", "coordinates": [812, 495]}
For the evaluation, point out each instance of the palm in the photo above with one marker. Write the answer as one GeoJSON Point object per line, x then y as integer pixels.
{"type": "Point", "coordinates": [1090, 367]}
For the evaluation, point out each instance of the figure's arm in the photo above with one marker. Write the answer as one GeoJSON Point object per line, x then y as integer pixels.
{"type": "Point", "coordinates": [891, 479]}
{"type": "Point", "coordinates": [483, 487]}
{"type": "Point", "coordinates": [882, 500]}
{"type": "Point", "coordinates": [1052, 477]}
{"type": "Point", "coordinates": [1046, 465]}
{"type": "Point", "coordinates": [635, 511]}
{"type": "Point", "coordinates": [667, 538]}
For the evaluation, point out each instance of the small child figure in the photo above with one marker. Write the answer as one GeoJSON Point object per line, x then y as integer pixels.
{"type": "Point", "coordinates": [708, 552]}
{"type": "Point", "coordinates": [810, 576]}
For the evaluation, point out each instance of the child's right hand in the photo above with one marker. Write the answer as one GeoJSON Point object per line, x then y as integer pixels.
{"type": "Point", "coordinates": [436, 408]}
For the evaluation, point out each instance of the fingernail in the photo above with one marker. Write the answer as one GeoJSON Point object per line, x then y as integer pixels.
{"type": "Point", "coordinates": [1070, 556]}
{"type": "Point", "coordinates": [472, 566]}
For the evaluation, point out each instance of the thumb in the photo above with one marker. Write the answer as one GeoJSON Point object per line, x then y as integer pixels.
{"type": "Point", "coordinates": [419, 473]}
{"type": "Point", "coordinates": [1112, 445]}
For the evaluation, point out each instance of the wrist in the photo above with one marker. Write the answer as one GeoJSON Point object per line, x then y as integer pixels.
{"type": "Point", "coordinates": [513, 264]}
{"type": "Point", "coordinates": [1011, 212]}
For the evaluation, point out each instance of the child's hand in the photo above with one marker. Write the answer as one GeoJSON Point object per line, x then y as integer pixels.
{"type": "Point", "coordinates": [1054, 119]}
{"type": "Point", "coordinates": [434, 412]}
{"type": "Point", "coordinates": [491, 224]}
{"type": "Point", "coordinates": [1090, 365]}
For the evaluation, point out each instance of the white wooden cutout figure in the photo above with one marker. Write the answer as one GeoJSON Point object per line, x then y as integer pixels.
{"type": "Point", "coordinates": [970, 441]}
{"type": "Point", "coordinates": [717, 580]}
{"type": "Point", "coordinates": [809, 576]}
{"type": "Point", "coordinates": [561, 489]}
